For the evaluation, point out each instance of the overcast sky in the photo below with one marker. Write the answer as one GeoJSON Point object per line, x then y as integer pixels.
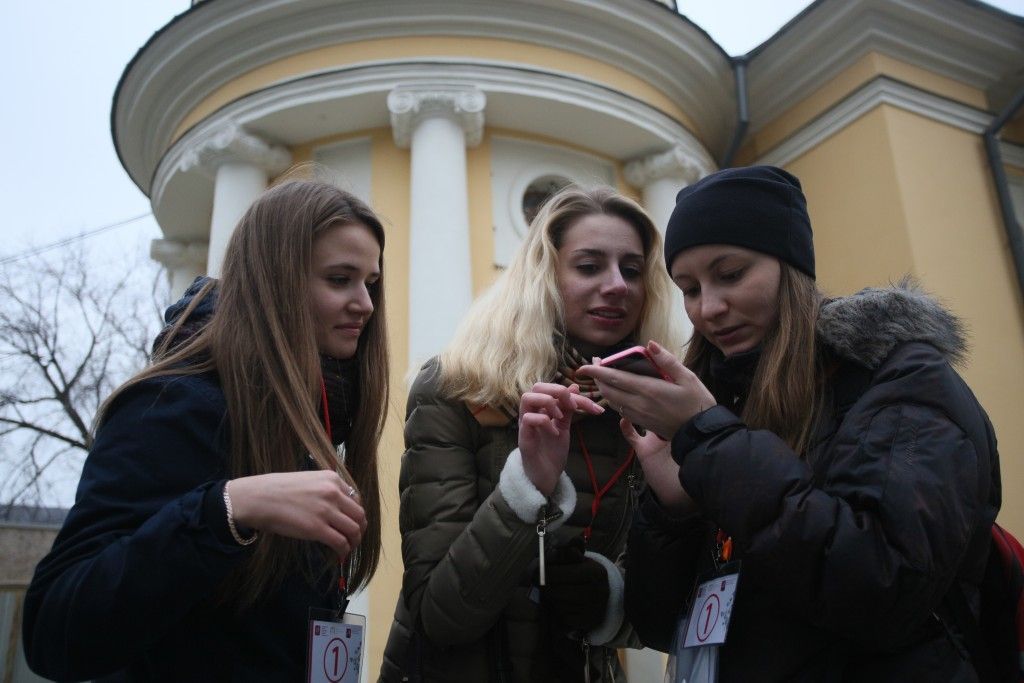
{"type": "Point", "coordinates": [60, 61]}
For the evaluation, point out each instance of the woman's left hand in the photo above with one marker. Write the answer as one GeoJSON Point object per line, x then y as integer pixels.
{"type": "Point", "coordinates": [660, 406]}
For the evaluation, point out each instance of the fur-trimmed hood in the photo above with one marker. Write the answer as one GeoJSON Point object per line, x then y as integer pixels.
{"type": "Point", "coordinates": [868, 325]}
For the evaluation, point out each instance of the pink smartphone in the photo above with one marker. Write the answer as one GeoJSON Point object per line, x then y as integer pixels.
{"type": "Point", "coordinates": [636, 360]}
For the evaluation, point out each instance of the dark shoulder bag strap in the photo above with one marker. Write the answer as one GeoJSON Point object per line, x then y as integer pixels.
{"type": "Point", "coordinates": [413, 669]}
{"type": "Point", "coordinates": [497, 651]}
{"type": "Point", "coordinates": [974, 641]}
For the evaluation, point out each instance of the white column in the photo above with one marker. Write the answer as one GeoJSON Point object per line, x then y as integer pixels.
{"type": "Point", "coordinates": [660, 177]}
{"type": "Point", "coordinates": [240, 164]}
{"type": "Point", "coordinates": [437, 124]}
{"type": "Point", "coordinates": [236, 186]}
{"type": "Point", "coordinates": [184, 261]}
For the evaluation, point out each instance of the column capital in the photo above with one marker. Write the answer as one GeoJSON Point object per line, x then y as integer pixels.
{"type": "Point", "coordinates": [409, 104]}
{"type": "Point", "coordinates": [675, 162]}
{"type": "Point", "coordinates": [177, 254]}
{"type": "Point", "coordinates": [232, 143]}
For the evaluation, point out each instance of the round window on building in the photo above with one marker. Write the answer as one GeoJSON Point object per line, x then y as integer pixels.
{"type": "Point", "coordinates": [538, 192]}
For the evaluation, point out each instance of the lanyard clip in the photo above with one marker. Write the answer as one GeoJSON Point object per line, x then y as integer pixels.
{"type": "Point", "coordinates": [723, 548]}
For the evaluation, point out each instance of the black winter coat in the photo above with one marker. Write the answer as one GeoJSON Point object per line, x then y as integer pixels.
{"type": "Point", "coordinates": [129, 590]}
{"type": "Point", "coordinates": [846, 554]}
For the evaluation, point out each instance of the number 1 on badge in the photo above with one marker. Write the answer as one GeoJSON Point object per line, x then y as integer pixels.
{"type": "Point", "coordinates": [711, 610]}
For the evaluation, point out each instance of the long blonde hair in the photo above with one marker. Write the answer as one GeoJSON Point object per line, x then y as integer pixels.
{"type": "Point", "coordinates": [505, 343]}
{"type": "Point", "coordinates": [785, 395]}
{"type": "Point", "coordinates": [261, 342]}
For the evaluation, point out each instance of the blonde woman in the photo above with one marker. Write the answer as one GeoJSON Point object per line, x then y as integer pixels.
{"type": "Point", "coordinates": [507, 452]}
{"type": "Point", "coordinates": [213, 511]}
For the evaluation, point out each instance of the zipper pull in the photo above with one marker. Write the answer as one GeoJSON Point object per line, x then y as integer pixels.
{"type": "Point", "coordinates": [586, 661]}
{"type": "Point", "coordinates": [633, 484]}
{"type": "Point", "coordinates": [542, 530]}
{"type": "Point", "coordinates": [608, 665]}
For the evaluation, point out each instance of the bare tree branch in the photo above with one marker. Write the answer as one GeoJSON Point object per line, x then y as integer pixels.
{"type": "Point", "coordinates": [68, 337]}
{"type": "Point", "coordinates": [40, 429]}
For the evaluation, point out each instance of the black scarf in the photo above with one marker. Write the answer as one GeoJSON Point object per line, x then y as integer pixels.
{"type": "Point", "coordinates": [341, 379]}
{"type": "Point", "coordinates": [731, 377]}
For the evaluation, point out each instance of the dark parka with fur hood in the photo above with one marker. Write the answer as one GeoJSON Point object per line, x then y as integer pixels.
{"type": "Point", "coordinates": [846, 554]}
{"type": "Point", "coordinates": [468, 609]}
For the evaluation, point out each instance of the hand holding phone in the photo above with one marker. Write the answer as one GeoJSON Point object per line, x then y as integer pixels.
{"type": "Point", "coordinates": [637, 360]}
{"type": "Point", "coordinates": [661, 407]}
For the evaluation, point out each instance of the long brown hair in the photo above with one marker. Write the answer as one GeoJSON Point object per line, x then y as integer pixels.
{"type": "Point", "coordinates": [261, 342]}
{"type": "Point", "coordinates": [786, 392]}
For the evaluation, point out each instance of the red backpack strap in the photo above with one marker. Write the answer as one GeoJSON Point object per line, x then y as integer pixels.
{"type": "Point", "coordinates": [1011, 556]}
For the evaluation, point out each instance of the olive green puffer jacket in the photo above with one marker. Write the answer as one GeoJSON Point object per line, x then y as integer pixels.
{"type": "Point", "coordinates": [468, 609]}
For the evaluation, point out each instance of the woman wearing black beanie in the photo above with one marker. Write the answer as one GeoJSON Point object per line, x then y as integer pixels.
{"type": "Point", "coordinates": [826, 444]}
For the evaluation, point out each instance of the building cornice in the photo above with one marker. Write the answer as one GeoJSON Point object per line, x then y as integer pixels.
{"type": "Point", "coordinates": [348, 100]}
{"type": "Point", "coordinates": [217, 42]}
{"type": "Point", "coordinates": [959, 40]}
{"type": "Point", "coordinates": [879, 91]}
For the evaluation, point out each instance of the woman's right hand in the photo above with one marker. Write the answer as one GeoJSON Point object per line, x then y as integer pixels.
{"type": "Point", "coordinates": [545, 422]}
{"type": "Point", "coordinates": [660, 406]}
{"type": "Point", "coordinates": [310, 506]}
{"type": "Point", "coordinates": [661, 472]}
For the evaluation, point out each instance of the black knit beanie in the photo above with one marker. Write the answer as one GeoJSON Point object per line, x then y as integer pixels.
{"type": "Point", "coordinates": [757, 207]}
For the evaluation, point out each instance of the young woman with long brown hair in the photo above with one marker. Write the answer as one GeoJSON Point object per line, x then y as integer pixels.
{"type": "Point", "coordinates": [506, 454]}
{"type": "Point", "coordinates": [827, 444]}
{"type": "Point", "coordinates": [214, 510]}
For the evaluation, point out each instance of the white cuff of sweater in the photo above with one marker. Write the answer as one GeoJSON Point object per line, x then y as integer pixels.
{"type": "Point", "coordinates": [615, 612]}
{"type": "Point", "coordinates": [526, 500]}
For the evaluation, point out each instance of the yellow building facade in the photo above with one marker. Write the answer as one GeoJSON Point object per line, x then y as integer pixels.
{"type": "Point", "coordinates": [447, 115]}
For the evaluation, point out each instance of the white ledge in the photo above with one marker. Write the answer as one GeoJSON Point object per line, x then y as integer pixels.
{"type": "Point", "coordinates": [881, 90]}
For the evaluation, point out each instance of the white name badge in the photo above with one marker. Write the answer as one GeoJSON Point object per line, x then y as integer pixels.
{"type": "Point", "coordinates": [335, 649]}
{"type": "Point", "coordinates": [711, 609]}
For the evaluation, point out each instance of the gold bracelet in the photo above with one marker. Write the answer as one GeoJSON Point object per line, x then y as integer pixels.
{"type": "Point", "coordinates": [231, 522]}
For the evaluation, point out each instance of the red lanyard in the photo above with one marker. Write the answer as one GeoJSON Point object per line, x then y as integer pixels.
{"type": "Point", "coordinates": [599, 491]}
{"type": "Point", "coordinates": [327, 414]}
{"type": "Point", "coordinates": [342, 582]}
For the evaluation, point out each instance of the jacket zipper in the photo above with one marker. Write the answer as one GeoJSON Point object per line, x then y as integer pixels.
{"type": "Point", "coordinates": [632, 500]}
